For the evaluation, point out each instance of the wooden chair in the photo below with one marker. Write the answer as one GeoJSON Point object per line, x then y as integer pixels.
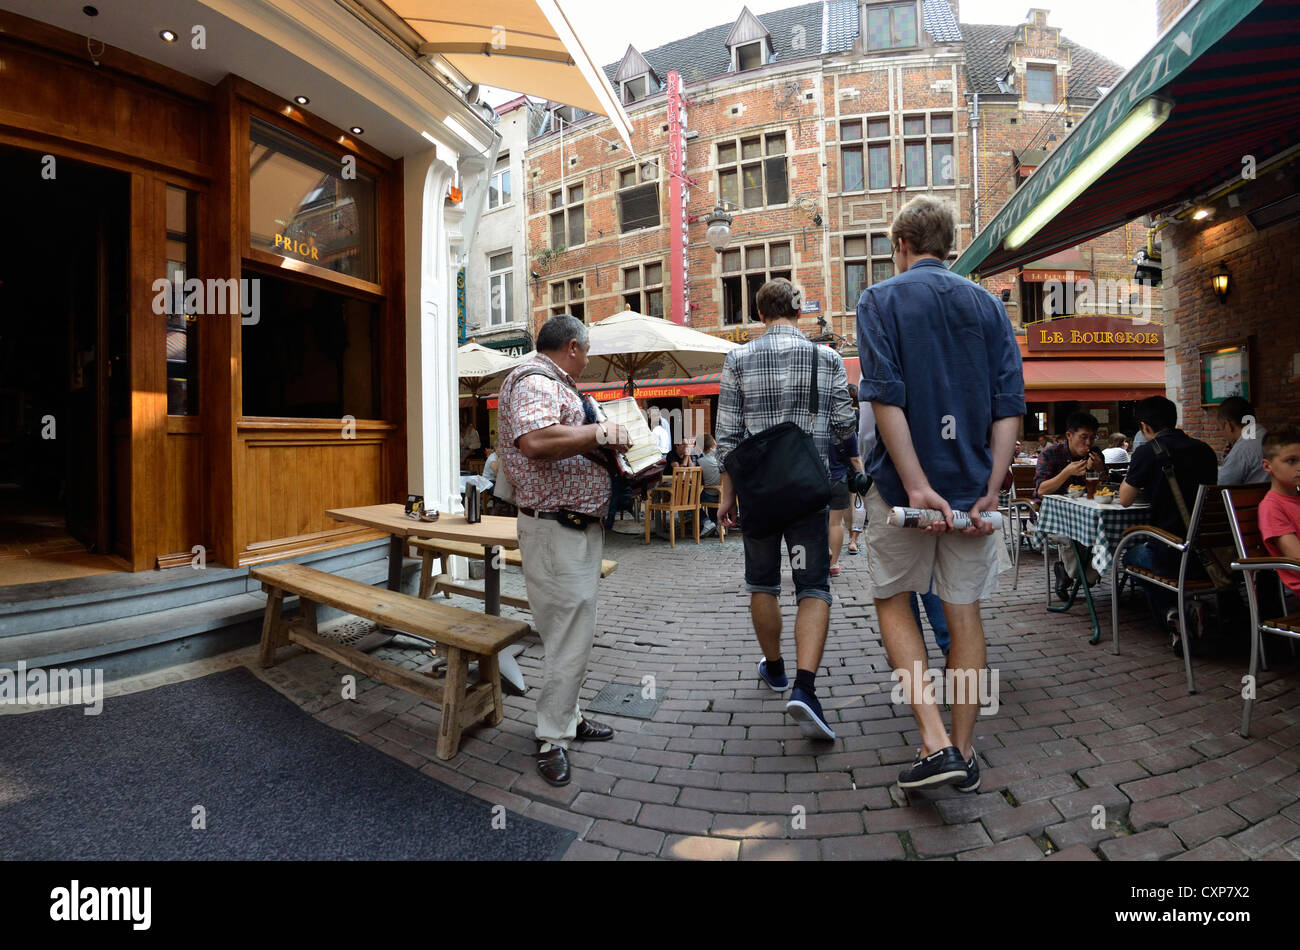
{"type": "Point", "coordinates": [1207, 530]}
{"type": "Point", "coordinates": [1242, 505]}
{"type": "Point", "coordinates": [464, 634]}
{"type": "Point", "coordinates": [683, 498]}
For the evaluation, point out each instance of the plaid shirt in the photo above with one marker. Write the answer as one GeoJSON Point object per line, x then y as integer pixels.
{"type": "Point", "coordinates": [1051, 462]}
{"type": "Point", "coordinates": [766, 382]}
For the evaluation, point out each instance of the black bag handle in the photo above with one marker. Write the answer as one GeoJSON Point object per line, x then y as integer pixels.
{"type": "Point", "coordinates": [813, 400]}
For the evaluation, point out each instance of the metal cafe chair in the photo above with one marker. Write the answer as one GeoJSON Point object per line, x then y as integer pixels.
{"type": "Point", "coordinates": [1207, 530]}
{"type": "Point", "coordinates": [1241, 503]}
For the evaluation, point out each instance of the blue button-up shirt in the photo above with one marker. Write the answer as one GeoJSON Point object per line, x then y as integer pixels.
{"type": "Point", "coordinates": [941, 348]}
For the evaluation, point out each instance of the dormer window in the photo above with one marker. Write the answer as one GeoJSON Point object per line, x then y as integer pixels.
{"type": "Point", "coordinates": [1040, 84]}
{"type": "Point", "coordinates": [749, 56]}
{"type": "Point", "coordinates": [749, 42]}
{"type": "Point", "coordinates": [636, 78]}
{"type": "Point", "coordinates": [892, 25]}
{"type": "Point", "coordinates": [634, 89]}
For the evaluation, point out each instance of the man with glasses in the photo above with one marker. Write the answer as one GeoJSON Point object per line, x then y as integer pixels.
{"type": "Point", "coordinates": [1058, 466]}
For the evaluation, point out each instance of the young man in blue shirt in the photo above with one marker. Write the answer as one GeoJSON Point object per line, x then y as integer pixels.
{"type": "Point", "coordinates": [941, 368]}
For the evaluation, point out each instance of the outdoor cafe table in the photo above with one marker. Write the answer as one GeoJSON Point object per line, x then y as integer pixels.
{"type": "Point", "coordinates": [1092, 527]}
{"type": "Point", "coordinates": [492, 531]}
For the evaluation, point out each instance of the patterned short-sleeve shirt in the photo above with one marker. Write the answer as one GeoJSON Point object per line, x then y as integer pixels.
{"type": "Point", "coordinates": [536, 402]}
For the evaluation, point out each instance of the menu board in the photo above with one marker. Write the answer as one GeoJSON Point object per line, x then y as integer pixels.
{"type": "Point", "coordinates": [645, 450]}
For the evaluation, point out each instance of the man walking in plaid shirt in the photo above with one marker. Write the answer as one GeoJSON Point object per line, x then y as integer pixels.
{"type": "Point", "coordinates": [765, 383]}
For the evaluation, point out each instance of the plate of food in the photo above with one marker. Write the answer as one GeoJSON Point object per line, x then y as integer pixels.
{"type": "Point", "coordinates": [1075, 491]}
{"type": "Point", "coordinates": [1104, 496]}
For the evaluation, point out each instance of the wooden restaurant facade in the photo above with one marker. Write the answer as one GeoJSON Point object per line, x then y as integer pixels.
{"type": "Point", "coordinates": [220, 312]}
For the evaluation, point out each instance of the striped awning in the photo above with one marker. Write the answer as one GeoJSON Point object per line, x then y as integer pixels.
{"type": "Point", "coordinates": [668, 387]}
{"type": "Point", "coordinates": [1232, 71]}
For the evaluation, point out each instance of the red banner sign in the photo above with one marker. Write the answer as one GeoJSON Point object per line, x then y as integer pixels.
{"type": "Point", "coordinates": [1115, 334]}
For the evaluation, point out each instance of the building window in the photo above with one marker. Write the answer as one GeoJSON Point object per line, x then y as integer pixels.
{"type": "Point", "coordinates": [567, 226]}
{"type": "Point", "coordinates": [891, 25]}
{"type": "Point", "coordinates": [182, 327]}
{"type": "Point", "coordinates": [637, 88]}
{"type": "Point", "coordinates": [638, 197]}
{"type": "Point", "coordinates": [877, 153]}
{"type": "Point", "coordinates": [749, 56]}
{"type": "Point", "coordinates": [928, 156]}
{"type": "Point", "coordinates": [499, 184]}
{"type": "Point", "coordinates": [1040, 84]}
{"type": "Point", "coordinates": [744, 271]}
{"type": "Point", "coordinates": [501, 287]}
{"type": "Point", "coordinates": [566, 297]}
{"type": "Point", "coordinates": [865, 256]}
{"type": "Point", "coordinates": [752, 171]}
{"type": "Point", "coordinates": [312, 354]}
{"type": "Point", "coordinates": [643, 288]}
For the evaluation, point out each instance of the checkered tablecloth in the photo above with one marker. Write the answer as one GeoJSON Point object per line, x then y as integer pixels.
{"type": "Point", "coordinates": [1090, 523]}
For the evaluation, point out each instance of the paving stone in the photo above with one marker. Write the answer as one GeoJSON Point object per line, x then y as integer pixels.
{"type": "Point", "coordinates": [671, 818]}
{"type": "Point", "coordinates": [586, 851]}
{"type": "Point", "coordinates": [1260, 839]}
{"type": "Point", "coordinates": [1259, 805]}
{"type": "Point", "coordinates": [696, 848]}
{"type": "Point", "coordinates": [790, 849]}
{"type": "Point", "coordinates": [948, 839]}
{"type": "Point", "coordinates": [1155, 845]}
{"type": "Point", "coordinates": [882, 847]}
{"type": "Point", "coordinates": [1034, 789]}
{"type": "Point", "coordinates": [1013, 849]}
{"type": "Point", "coordinates": [644, 791]}
{"type": "Point", "coordinates": [1082, 802]}
{"type": "Point", "coordinates": [626, 837]}
{"type": "Point", "coordinates": [1159, 812]}
{"type": "Point", "coordinates": [1025, 819]}
{"type": "Point", "coordinates": [1196, 830]}
{"type": "Point", "coordinates": [1075, 852]}
{"type": "Point", "coordinates": [576, 823]}
{"type": "Point", "coordinates": [1080, 831]}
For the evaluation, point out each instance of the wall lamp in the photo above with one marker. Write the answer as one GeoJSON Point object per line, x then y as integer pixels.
{"type": "Point", "coordinates": [1221, 282]}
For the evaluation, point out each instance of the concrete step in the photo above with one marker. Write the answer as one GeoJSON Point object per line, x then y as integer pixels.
{"type": "Point", "coordinates": [58, 605]}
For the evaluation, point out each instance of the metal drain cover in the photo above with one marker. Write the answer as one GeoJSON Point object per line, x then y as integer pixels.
{"type": "Point", "coordinates": [364, 635]}
{"type": "Point", "coordinates": [626, 699]}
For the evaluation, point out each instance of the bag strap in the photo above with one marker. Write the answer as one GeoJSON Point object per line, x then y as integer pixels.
{"type": "Point", "coordinates": [1167, 466]}
{"type": "Point", "coordinates": [814, 400]}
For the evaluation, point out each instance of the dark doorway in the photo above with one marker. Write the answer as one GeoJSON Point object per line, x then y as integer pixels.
{"type": "Point", "coordinates": [64, 316]}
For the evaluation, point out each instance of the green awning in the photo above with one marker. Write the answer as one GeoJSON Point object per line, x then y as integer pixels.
{"type": "Point", "coordinates": [1241, 96]}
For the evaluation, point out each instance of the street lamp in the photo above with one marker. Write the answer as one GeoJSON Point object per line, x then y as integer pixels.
{"type": "Point", "coordinates": [719, 233]}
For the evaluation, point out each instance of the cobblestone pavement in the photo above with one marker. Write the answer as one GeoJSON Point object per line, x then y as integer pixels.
{"type": "Point", "coordinates": [721, 773]}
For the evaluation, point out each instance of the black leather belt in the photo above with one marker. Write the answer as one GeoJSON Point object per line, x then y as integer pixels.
{"type": "Point", "coordinates": [533, 513]}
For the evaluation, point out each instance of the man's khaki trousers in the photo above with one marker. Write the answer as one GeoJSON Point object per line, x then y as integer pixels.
{"type": "Point", "coordinates": [561, 569]}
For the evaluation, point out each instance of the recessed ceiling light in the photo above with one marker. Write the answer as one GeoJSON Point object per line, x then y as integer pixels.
{"type": "Point", "coordinates": [168, 36]}
{"type": "Point", "coordinates": [356, 130]}
{"type": "Point", "coordinates": [301, 100]}
{"type": "Point", "coordinates": [1201, 214]}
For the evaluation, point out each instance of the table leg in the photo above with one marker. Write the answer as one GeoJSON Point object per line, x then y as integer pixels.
{"type": "Point", "coordinates": [396, 549]}
{"type": "Point", "coordinates": [1080, 580]}
{"type": "Point", "coordinates": [492, 580]}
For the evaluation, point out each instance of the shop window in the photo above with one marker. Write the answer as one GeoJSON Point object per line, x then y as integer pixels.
{"type": "Point", "coordinates": [182, 326]}
{"type": "Point", "coordinates": [752, 172]}
{"type": "Point", "coordinates": [643, 288]}
{"type": "Point", "coordinates": [312, 354]}
{"type": "Point", "coordinates": [744, 271]}
{"type": "Point", "coordinates": [309, 206]}
{"type": "Point", "coordinates": [638, 197]}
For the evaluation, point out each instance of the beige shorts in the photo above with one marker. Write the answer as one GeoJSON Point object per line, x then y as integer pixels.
{"type": "Point", "coordinates": [964, 569]}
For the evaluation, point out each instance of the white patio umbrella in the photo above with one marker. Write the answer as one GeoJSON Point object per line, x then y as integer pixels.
{"type": "Point", "coordinates": [481, 368]}
{"type": "Point", "coordinates": [630, 344]}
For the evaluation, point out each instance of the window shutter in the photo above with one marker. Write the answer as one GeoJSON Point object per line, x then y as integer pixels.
{"type": "Point", "coordinates": [639, 207]}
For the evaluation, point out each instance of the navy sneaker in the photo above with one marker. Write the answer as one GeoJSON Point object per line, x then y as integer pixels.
{"type": "Point", "coordinates": [972, 780]}
{"type": "Point", "coordinates": [779, 684]}
{"type": "Point", "coordinates": [944, 767]}
{"type": "Point", "coordinates": [804, 709]}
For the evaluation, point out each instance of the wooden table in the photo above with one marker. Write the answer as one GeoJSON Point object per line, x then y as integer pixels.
{"type": "Point", "coordinates": [491, 532]}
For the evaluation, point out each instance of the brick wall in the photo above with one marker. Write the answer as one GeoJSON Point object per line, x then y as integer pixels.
{"type": "Point", "coordinates": [1265, 272]}
{"type": "Point", "coordinates": [1167, 11]}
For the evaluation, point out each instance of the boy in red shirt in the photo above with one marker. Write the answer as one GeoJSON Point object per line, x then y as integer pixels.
{"type": "Point", "coordinates": [1279, 512]}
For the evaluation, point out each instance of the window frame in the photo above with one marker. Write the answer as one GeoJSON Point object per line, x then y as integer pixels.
{"type": "Point", "coordinates": [927, 141]}
{"type": "Point", "coordinates": [892, 7]}
{"type": "Point", "coordinates": [566, 209]}
{"type": "Point", "coordinates": [507, 272]}
{"type": "Point", "coordinates": [644, 287]}
{"type": "Point", "coordinates": [746, 272]}
{"type": "Point", "coordinates": [739, 164]}
{"type": "Point", "coordinates": [638, 169]}
{"type": "Point", "coordinates": [646, 93]}
{"type": "Point", "coordinates": [869, 260]}
{"type": "Point", "coordinates": [495, 179]}
{"type": "Point", "coordinates": [1040, 68]}
{"type": "Point", "coordinates": [762, 55]}
{"type": "Point", "coordinates": [569, 300]}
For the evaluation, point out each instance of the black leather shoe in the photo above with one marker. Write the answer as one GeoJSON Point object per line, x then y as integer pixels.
{"type": "Point", "coordinates": [589, 731]}
{"type": "Point", "coordinates": [1063, 582]}
{"type": "Point", "coordinates": [553, 766]}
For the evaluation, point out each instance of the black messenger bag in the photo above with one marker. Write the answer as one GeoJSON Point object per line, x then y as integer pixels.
{"type": "Point", "coordinates": [779, 475]}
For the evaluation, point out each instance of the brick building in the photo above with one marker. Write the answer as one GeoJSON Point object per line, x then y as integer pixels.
{"type": "Point", "coordinates": [812, 125]}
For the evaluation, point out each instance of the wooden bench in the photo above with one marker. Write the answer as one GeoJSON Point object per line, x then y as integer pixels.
{"type": "Point", "coordinates": [463, 634]}
{"type": "Point", "coordinates": [444, 583]}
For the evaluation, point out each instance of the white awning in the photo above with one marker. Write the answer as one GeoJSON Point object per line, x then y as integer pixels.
{"type": "Point", "coordinates": [526, 46]}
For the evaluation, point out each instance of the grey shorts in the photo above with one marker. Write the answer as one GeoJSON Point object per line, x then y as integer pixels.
{"type": "Point", "coordinates": [840, 496]}
{"type": "Point", "coordinates": [964, 569]}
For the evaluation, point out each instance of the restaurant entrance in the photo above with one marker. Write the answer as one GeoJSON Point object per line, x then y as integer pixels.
{"type": "Point", "coordinates": [63, 381]}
